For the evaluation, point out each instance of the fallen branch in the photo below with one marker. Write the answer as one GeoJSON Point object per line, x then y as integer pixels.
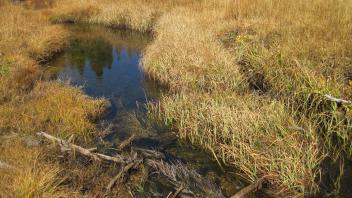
{"type": "Point", "coordinates": [127, 142]}
{"type": "Point", "coordinates": [83, 151]}
{"type": "Point", "coordinates": [116, 159]}
{"type": "Point", "coordinates": [337, 100]}
{"type": "Point", "coordinates": [120, 175]}
{"type": "Point", "coordinates": [250, 188]}
{"type": "Point", "coordinates": [147, 153]}
{"type": "Point", "coordinates": [179, 190]}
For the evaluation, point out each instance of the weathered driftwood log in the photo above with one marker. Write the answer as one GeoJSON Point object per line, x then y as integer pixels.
{"type": "Point", "coordinates": [127, 142]}
{"type": "Point", "coordinates": [250, 188]}
{"type": "Point", "coordinates": [337, 100]}
{"type": "Point", "coordinates": [83, 151]}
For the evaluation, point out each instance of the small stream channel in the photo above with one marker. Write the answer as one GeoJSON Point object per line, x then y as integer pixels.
{"type": "Point", "coordinates": [106, 63]}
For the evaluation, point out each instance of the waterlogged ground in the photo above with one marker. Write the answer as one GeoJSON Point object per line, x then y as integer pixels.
{"type": "Point", "coordinates": [105, 63]}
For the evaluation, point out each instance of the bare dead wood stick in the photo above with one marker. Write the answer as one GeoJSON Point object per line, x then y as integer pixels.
{"type": "Point", "coordinates": [150, 153]}
{"type": "Point", "coordinates": [337, 100]}
{"type": "Point", "coordinates": [118, 176]}
{"type": "Point", "coordinates": [117, 159]}
{"type": "Point", "coordinates": [179, 190]}
{"type": "Point", "coordinates": [83, 151]}
{"type": "Point", "coordinates": [106, 131]}
{"type": "Point", "coordinates": [127, 142]}
{"type": "Point", "coordinates": [92, 149]}
{"type": "Point", "coordinates": [250, 188]}
{"type": "Point", "coordinates": [168, 196]}
{"type": "Point", "coordinates": [79, 149]}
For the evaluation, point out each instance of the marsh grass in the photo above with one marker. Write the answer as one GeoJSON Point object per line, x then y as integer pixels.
{"type": "Point", "coordinates": [258, 139]}
{"type": "Point", "coordinates": [302, 54]}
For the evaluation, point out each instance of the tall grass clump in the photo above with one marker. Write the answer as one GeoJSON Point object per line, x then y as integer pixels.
{"type": "Point", "coordinates": [55, 108]}
{"type": "Point", "coordinates": [186, 55]}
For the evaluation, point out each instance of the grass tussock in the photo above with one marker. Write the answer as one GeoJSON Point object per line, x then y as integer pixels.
{"type": "Point", "coordinates": [119, 14]}
{"type": "Point", "coordinates": [70, 111]}
{"type": "Point", "coordinates": [187, 55]}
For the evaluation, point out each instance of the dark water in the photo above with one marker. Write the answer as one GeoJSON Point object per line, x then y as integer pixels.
{"type": "Point", "coordinates": [106, 64]}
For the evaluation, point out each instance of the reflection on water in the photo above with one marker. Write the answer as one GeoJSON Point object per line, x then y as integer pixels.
{"type": "Point", "coordinates": [104, 68]}
{"type": "Point", "coordinates": [106, 64]}
{"type": "Point", "coordinates": [116, 76]}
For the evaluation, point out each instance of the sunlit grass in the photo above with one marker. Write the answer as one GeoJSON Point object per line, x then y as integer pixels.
{"type": "Point", "coordinates": [29, 176]}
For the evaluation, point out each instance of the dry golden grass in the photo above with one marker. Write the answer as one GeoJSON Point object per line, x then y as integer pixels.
{"type": "Point", "coordinates": [28, 33]}
{"type": "Point", "coordinates": [139, 15]}
{"type": "Point", "coordinates": [28, 105]}
{"type": "Point", "coordinates": [29, 175]}
{"type": "Point", "coordinates": [186, 55]}
{"type": "Point", "coordinates": [52, 107]}
{"type": "Point", "coordinates": [303, 51]}
{"type": "Point", "coordinates": [215, 110]}
{"type": "Point", "coordinates": [258, 139]}
{"type": "Point", "coordinates": [287, 59]}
